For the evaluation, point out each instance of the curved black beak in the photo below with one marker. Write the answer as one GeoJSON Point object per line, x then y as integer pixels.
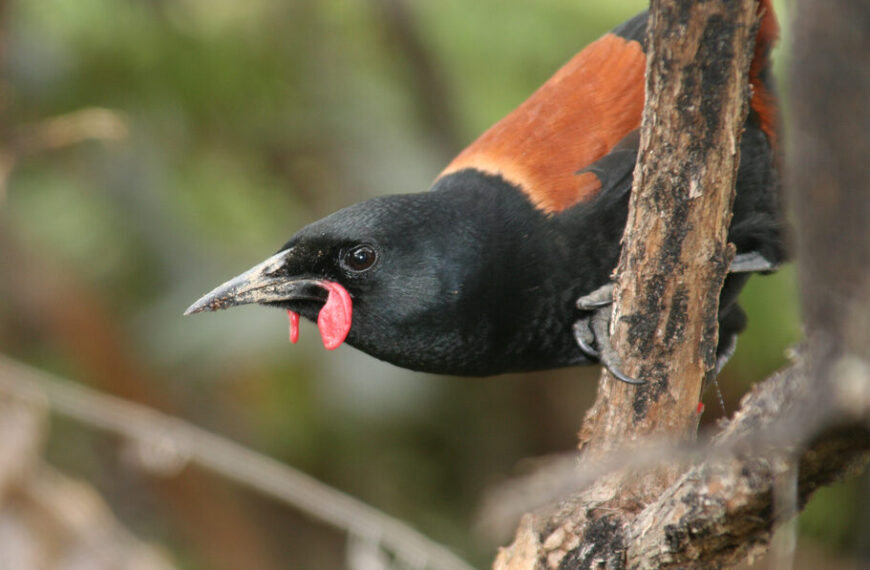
{"type": "Point", "coordinates": [267, 282]}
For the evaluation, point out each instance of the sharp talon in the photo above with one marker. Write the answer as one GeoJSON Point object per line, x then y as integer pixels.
{"type": "Point", "coordinates": [581, 334]}
{"type": "Point", "coordinates": [596, 329]}
{"type": "Point", "coordinates": [620, 376]}
{"type": "Point", "coordinates": [608, 356]}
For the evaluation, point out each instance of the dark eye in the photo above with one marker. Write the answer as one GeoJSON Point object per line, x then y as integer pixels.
{"type": "Point", "coordinates": [359, 258]}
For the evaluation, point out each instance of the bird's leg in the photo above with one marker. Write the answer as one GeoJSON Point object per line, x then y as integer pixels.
{"type": "Point", "coordinates": [592, 332]}
{"type": "Point", "coordinates": [595, 328]}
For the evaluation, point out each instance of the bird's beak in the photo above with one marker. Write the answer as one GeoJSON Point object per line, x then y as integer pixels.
{"type": "Point", "coordinates": [267, 282]}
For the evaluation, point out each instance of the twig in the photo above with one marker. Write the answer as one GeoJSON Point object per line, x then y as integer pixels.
{"type": "Point", "coordinates": [90, 123]}
{"type": "Point", "coordinates": [425, 77]}
{"type": "Point", "coordinates": [226, 458]}
{"type": "Point", "coordinates": [785, 507]}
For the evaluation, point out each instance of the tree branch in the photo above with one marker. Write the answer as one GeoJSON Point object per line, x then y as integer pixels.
{"type": "Point", "coordinates": [804, 427]}
{"type": "Point", "coordinates": [723, 509]}
{"type": "Point", "coordinates": [720, 509]}
{"type": "Point", "coordinates": [829, 171]}
{"type": "Point", "coordinates": [166, 444]}
{"type": "Point", "coordinates": [675, 253]}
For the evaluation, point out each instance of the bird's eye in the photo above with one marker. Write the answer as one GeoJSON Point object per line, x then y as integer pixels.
{"type": "Point", "coordinates": [359, 258]}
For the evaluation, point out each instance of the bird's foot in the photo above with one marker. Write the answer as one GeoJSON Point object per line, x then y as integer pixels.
{"type": "Point", "coordinates": [592, 332]}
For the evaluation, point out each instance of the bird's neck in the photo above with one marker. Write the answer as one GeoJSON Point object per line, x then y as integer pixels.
{"type": "Point", "coordinates": [535, 267]}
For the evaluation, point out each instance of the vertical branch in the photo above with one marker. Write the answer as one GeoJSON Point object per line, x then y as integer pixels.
{"type": "Point", "coordinates": [422, 72]}
{"type": "Point", "coordinates": [674, 260]}
{"type": "Point", "coordinates": [800, 429]}
{"type": "Point", "coordinates": [7, 159]}
{"type": "Point", "coordinates": [829, 170]}
{"type": "Point", "coordinates": [675, 253]}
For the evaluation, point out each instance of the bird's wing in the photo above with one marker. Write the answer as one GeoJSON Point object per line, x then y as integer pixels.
{"type": "Point", "coordinates": [614, 169]}
{"type": "Point", "coordinates": [571, 121]}
{"type": "Point", "coordinates": [554, 147]}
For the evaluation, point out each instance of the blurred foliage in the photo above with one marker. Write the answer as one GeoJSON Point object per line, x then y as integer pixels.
{"type": "Point", "coordinates": [247, 120]}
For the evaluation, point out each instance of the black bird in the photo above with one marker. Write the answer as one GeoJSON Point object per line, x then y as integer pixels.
{"type": "Point", "coordinates": [481, 274]}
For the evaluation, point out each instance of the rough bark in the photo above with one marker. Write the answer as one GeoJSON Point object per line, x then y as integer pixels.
{"type": "Point", "coordinates": [675, 253]}
{"type": "Point", "coordinates": [674, 260]}
{"type": "Point", "coordinates": [720, 510]}
{"type": "Point", "coordinates": [723, 510]}
{"type": "Point", "coordinates": [805, 427]}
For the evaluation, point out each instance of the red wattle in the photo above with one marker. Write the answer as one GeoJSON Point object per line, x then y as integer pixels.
{"type": "Point", "coordinates": [294, 326]}
{"type": "Point", "coordinates": [335, 316]}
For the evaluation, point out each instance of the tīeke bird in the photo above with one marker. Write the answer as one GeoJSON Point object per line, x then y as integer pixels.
{"type": "Point", "coordinates": [482, 274]}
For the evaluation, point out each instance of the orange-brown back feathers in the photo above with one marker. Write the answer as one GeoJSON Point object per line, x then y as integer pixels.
{"type": "Point", "coordinates": [763, 101]}
{"type": "Point", "coordinates": [583, 111]}
{"type": "Point", "coordinates": [571, 121]}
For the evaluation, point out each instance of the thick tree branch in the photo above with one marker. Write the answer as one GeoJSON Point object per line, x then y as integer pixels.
{"type": "Point", "coordinates": [803, 428]}
{"type": "Point", "coordinates": [675, 253]}
{"type": "Point", "coordinates": [723, 509]}
{"type": "Point", "coordinates": [829, 171]}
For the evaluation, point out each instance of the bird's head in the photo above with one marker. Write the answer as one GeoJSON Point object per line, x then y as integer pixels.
{"type": "Point", "coordinates": [391, 275]}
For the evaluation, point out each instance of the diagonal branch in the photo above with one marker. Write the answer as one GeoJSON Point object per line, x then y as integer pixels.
{"type": "Point", "coordinates": [168, 444]}
{"type": "Point", "coordinates": [722, 507]}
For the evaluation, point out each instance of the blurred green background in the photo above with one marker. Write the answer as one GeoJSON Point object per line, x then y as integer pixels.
{"type": "Point", "coordinates": [151, 149]}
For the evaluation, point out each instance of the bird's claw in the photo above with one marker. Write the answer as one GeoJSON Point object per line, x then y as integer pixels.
{"type": "Point", "coordinates": [592, 332]}
{"type": "Point", "coordinates": [601, 297]}
{"type": "Point", "coordinates": [595, 328]}
{"type": "Point", "coordinates": [584, 337]}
